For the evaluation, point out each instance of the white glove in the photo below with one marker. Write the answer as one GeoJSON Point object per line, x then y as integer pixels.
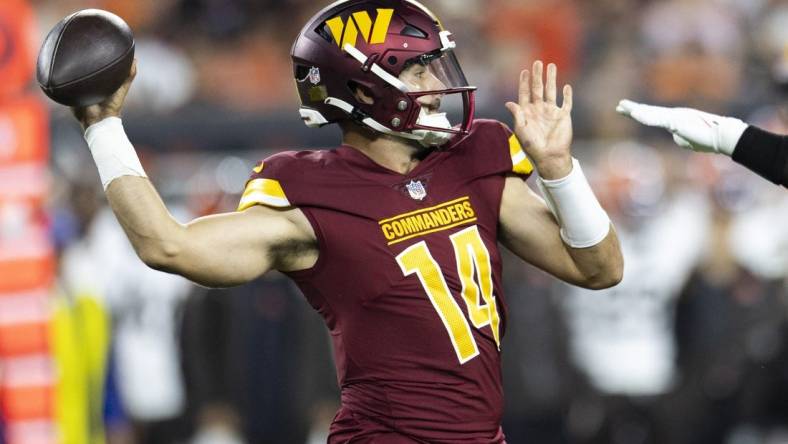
{"type": "Point", "coordinates": [692, 129]}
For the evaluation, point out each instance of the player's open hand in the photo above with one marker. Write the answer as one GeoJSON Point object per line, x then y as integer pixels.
{"type": "Point", "coordinates": [109, 108]}
{"type": "Point", "coordinates": [543, 128]}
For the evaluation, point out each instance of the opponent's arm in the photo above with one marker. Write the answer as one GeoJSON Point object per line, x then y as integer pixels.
{"type": "Point", "coordinates": [216, 251]}
{"type": "Point", "coordinates": [571, 236]}
{"type": "Point", "coordinates": [762, 152]}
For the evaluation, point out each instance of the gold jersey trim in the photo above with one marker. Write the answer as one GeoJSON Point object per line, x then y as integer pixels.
{"type": "Point", "coordinates": [263, 191]}
{"type": "Point", "coordinates": [520, 162]}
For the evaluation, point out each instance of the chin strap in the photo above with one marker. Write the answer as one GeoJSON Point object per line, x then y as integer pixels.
{"type": "Point", "coordinates": [433, 137]}
{"type": "Point", "coordinates": [425, 137]}
{"type": "Point", "coordinates": [369, 121]}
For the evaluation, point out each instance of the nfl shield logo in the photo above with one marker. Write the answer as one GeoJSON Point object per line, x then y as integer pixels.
{"type": "Point", "coordinates": [314, 75]}
{"type": "Point", "coordinates": [416, 190]}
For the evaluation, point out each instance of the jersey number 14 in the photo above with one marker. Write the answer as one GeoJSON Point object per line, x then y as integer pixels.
{"type": "Point", "coordinates": [473, 260]}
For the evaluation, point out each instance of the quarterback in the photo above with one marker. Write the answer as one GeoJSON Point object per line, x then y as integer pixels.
{"type": "Point", "coordinates": [393, 236]}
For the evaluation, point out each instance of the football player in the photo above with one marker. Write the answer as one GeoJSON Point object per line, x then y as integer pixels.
{"type": "Point", "coordinates": [393, 236]}
{"type": "Point", "coordinates": [762, 152]}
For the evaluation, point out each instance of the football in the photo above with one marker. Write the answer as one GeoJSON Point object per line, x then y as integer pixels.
{"type": "Point", "coordinates": [85, 58]}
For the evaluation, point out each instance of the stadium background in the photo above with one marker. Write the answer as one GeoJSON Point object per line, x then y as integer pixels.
{"type": "Point", "coordinates": [692, 347]}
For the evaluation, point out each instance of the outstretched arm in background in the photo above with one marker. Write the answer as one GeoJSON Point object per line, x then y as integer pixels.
{"type": "Point", "coordinates": [217, 251]}
{"type": "Point", "coordinates": [762, 152]}
{"type": "Point", "coordinates": [570, 236]}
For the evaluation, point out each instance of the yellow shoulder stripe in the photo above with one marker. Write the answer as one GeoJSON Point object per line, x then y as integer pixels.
{"type": "Point", "coordinates": [263, 191]}
{"type": "Point", "coordinates": [520, 162]}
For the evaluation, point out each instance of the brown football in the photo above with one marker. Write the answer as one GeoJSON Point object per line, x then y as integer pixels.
{"type": "Point", "coordinates": [85, 58]}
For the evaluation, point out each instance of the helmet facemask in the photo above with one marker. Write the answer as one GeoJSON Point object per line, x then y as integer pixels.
{"type": "Point", "coordinates": [432, 89]}
{"type": "Point", "coordinates": [438, 86]}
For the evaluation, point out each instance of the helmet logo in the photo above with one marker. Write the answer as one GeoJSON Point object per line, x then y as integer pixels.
{"type": "Point", "coordinates": [360, 22]}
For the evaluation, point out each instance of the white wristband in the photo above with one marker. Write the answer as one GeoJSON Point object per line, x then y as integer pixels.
{"type": "Point", "coordinates": [584, 223]}
{"type": "Point", "coordinates": [112, 151]}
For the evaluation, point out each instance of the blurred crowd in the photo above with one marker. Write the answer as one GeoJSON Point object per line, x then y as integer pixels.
{"type": "Point", "coordinates": [691, 347]}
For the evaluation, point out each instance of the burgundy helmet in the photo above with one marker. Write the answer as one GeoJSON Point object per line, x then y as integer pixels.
{"type": "Point", "coordinates": [367, 44]}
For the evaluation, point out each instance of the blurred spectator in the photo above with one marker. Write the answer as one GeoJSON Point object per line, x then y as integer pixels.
{"type": "Point", "coordinates": [613, 69]}
{"type": "Point", "coordinates": [247, 74]}
{"type": "Point", "coordinates": [81, 329]}
{"type": "Point", "coordinates": [101, 266]}
{"type": "Point", "coordinates": [520, 32]}
{"type": "Point", "coordinates": [621, 337]}
{"type": "Point", "coordinates": [772, 48]}
{"type": "Point", "coordinates": [256, 349]}
{"type": "Point", "coordinates": [732, 334]}
{"type": "Point", "coordinates": [540, 382]}
{"type": "Point", "coordinates": [169, 86]}
{"type": "Point", "coordinates": [687, 43]}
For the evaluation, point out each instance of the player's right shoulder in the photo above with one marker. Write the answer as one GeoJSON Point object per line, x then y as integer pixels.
{"type": "Point", "coordinates": [275, 179]}
{"type": "Point", "coordinates": [288, 163]}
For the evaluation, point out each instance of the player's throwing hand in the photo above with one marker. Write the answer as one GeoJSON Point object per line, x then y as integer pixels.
{"type": "Point", "coordinates": [109, 108]}
{"type": "Point", "coordinates": [543, 128]}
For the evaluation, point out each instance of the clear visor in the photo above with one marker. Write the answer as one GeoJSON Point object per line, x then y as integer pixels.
{"type": "Point", "coordinates": [435, 71]}
{"type": "Point", "coordinates": [437, 83]}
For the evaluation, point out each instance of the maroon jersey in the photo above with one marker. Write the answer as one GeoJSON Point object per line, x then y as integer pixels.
{"type": "Point", "coordinates": [408, 280]}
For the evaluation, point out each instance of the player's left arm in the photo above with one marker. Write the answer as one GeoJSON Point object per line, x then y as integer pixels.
{"type": "Point", "coordinates": [569, 236]}
{"type": "Point", "coordinates": [530, 230]}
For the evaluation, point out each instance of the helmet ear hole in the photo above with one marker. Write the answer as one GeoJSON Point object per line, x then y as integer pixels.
{"type": "Point", "coordinates": [361, 93]}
